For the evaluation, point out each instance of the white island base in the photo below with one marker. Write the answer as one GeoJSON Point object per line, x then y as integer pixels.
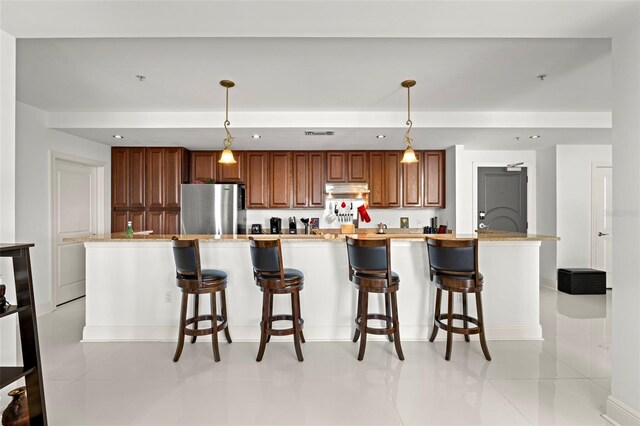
{"type": "Point", "coordinates": [132, 295]}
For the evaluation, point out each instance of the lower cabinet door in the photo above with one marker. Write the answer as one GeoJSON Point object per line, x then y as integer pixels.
{"type": "Point", "coordinates": [171, 222]}
{"type": "Point", "coordinates": [155, 221]}
{"type": "Point", "coordinates": [118, 221]}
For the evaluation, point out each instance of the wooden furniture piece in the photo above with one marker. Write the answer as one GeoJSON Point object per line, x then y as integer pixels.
{"type": "Point", "coordinates": [434, 178]}
{"type": "Point", "coordinates": [272, 278]}
{"type": "Point", "coordinates": [195, 281]}
{"type": "Point", "coordinates": [25, 307]}
{"type": "Point", "coordinates": [454, 268]}
{"type": "Point", "coordinates": [385, 179]}
{"type": "Point", "coordinates": [370, 271]}
{"type": "Point", "coordinates": [257, 176]}
{"type": "Point", "coordinates": [308, 179]}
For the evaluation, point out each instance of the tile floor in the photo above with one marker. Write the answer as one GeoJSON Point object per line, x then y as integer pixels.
{"type": "Point", "coordinates": [562, 380]}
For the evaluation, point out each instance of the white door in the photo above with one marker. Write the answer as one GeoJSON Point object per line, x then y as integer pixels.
{"type": "Point", "coordinates": [75, 208]}
{"type": "Point", "coordinates": [601, 235]}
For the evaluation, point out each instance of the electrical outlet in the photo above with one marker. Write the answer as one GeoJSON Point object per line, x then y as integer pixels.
{"type": "Point", "coordinates": [168, 296]}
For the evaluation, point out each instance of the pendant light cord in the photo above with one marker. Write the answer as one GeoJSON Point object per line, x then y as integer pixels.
{"type": "Point", "coordinates": [229, 139]}
{"type": "Point", "coordinates": [408, 140]}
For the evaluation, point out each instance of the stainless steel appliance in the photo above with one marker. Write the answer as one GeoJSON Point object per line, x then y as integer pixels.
{"type": "Point", "coordinates": [276, 225]}
{"type": "Point", "coordinates": [213, 209]}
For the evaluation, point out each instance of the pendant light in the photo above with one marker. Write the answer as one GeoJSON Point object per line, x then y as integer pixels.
{"type": "Point", "coordinates": [227, 155]}
{"type": "Point", "coordinates": [409, 155]}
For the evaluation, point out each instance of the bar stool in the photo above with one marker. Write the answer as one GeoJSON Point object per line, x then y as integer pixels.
{"type": "Point", "coordinates": [273, 278]}
{"type": "Point", "coordinates": [454, 268]}
{"type": "Point", "coordinates": [370, 271]}
{"type": "Point", "coordinates": [193, 280]}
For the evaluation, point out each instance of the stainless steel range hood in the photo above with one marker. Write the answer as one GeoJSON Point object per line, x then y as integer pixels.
{"type": "Point", "coordinates": [346, 190]}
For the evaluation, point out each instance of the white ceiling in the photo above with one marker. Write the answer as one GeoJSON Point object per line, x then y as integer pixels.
{"type": "Point", "coordinates": [319, 57]}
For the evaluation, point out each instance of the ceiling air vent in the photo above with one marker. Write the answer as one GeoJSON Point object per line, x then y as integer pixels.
{"type": "Point", "coordinates": [318, 133]}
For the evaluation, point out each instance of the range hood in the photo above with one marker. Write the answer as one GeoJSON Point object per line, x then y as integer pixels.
{"type": "Point", "coordinates": [346, 190]}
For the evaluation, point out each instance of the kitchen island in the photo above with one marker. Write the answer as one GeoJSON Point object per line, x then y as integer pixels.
{"type": "Point", "coordinates": [132, 295]}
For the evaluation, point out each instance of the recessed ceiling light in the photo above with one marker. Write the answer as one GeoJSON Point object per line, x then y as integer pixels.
{"type": "Point", "coordinates": [118, 136]}
{"type": "Point", "coordinates": [381, 136]}
{"type": "Point", "coordinates": [534, 136]}
{"type": "Point", "coordinates": [256, 136]}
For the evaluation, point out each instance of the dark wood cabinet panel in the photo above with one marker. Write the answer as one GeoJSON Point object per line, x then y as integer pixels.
{"type": "Point", "coordinates": [119, 177]}
{"type": "Point", "coordinates": [301, 183]}
{"type": "Point", "coordinates": [376, 179]}
{"type": "Point", "coordinates": [316, 179]}
{"type": "Point", "coordinates": [336, 166]}
{"type": "Point", "coordinates": [393, 178]}
{"type": "Point", "coordinates": [154, 158]}
{"type": "Point", "coordinates": [434, 178]}
{"type": "Point", "coordinates": [118, 220]}
{"type": "Point", "coordinates": [203, 165]}
{"type": "Point", "coordinates": [231, 172]}
{"type": "Point", "coordinates": [358, 166]}
{"type": "Point", "coordinates": [137, 218]}
{"type": "Point", "coordinates": [257, 177]}
{"type": "Point", "coordinates": [172, 222]}
{"type": "Point", "coordinates": [280, 179]}
{"type": "Point", "coordinates": [155, 221]}
{"type": "Point", "coordinates": [172, 177]}
{"type": "Point", "coordinates": [136, 177]}
{"type": "Point", "coordinates": [412, 184]}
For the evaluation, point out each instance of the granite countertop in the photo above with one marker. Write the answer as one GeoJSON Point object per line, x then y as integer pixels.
{"type": "Point", "coordinates": [405, 234]}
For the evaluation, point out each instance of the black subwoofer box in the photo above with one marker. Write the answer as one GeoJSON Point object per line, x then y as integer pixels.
{"type": "Point", "coordinates": [582, 281]}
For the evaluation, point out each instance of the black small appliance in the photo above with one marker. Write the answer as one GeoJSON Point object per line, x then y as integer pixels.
{"type": "Point", "coordinates": [276, 225]}
{"type": "Point", "coordinates": [293, 229]}
{"type": "Point", "coordinates": [256, 228]}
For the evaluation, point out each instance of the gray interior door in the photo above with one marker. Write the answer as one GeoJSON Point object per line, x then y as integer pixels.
{"type": "Point", "coordinates": [502, 199]}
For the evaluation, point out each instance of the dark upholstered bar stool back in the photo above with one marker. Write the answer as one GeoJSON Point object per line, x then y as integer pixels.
{"type": "Point", "coordinates": [195, 281]}
{"type": "Point", "coordinates": [272, 278]}
{"type": "Point", "coordinates": [453, 267]}
{"type": "Point", "coordinates": [370, 271]}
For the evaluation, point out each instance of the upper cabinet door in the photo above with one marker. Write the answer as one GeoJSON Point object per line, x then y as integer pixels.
{"type": "Point", "coordinates": [172, 177]}
{"type": "Point", "coordinates": [392, 185]}
{"type": "Point", "coordinates": [300, 162]}
{"type": "Point", "coordinates": [377, 179]}
{"type": "Point", "coordinates": [257, 176]}
{"type": "Point", "coordinates": [412, 183]}
{"type": "Point", "coordinates": [336, 166]}
{"type": "Point", "coordinates": [280, 179]}
{"type": "Point", "coordinates": [203, 165]}
{"type": "Point", "coordinates": [136, 177]}
{"type": "Point", "coordinates": [358, 166]}
{"type": "Point", "coordinates": [231, 172]}
{"type": "Point", "coordinates": [434, 178]}
{"type": "Point", "coordinates": [316, 179]}
{"type": "Point", "coordinates": [119, 178]}
{"type": "Point", "coordinates": [154, 158]}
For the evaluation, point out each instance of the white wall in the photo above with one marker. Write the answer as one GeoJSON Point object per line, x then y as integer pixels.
{"type": "Point", "coordinates": [35, 144]}
{"type": "Point", "coordinates": [546, 213]}
{"type": "Point", "coordinates": [573, 176]}
{"type": "Point", "coordinates": [466, 184]}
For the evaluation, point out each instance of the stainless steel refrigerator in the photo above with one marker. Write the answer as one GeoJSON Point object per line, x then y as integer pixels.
{"type": "Point", "coordinates": [213, 209]}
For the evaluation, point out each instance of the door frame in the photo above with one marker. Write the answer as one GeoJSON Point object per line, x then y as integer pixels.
{"type": "Point", "coordinates": [100, 168]}
{"type": "Point", "coordinates": [592, 248]}
{"type": "Point", "coordinates": [531, 191]}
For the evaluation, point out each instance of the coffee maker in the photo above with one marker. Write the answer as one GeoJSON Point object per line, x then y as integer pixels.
{"type": "Point", "coordinates": [276, 225]}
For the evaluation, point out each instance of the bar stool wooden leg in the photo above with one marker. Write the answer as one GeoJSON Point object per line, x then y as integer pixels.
{"type": "Point", "coordinates": [396, 325]}
{"type": "Point", "coordinates": [223, 302]}
{"type": "Point", "coordinates": [434, 333]}
{"type": "Point", "coordinates": [297, 293]}
{"type": "Point", "coordinates": [449, 326]}
{"type": "Point", "coordinates": [270, 315]}
{"type": "Point", "coordinates": [465, 312]}
{"type": "Point", "coordinates": [387, 311]}
{"type": "Point", "coordinates": [295, 307]}
{"type": "Point", "coordinates": [183, 319]}
{"type": "Point", "coordinates": [357, 333]}
{"type": "Point", "coordinates": [214, 326]}
{"type": "Point", "coordinates": [364, 308]}
{"type": "Point", "coordinates": [483, 341]}
{"type": "Point", "coordinates": [196, 302]}
{"type": "Point", "coordinates": [264, 324]}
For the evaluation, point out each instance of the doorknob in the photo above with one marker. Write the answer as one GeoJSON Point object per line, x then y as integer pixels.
{"type": "Point", "coordinates": [482, 225]}
{"type": "Point", "coordinates": [481, 215]}
{"type": "Point", "coordinates": [600, 234]}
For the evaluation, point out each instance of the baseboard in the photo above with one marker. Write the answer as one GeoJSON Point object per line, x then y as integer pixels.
{"type": "Point", "coordinates": [44, 309]}
{"type": "Point", "coordinates": [619, 413]}
{"type": "Point", "coordinates": [313, 334]}
{"type": "Point", "coordinates": [548, 283]}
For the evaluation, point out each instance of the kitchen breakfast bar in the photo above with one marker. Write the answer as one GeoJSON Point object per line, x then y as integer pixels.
{"type": "Point", "coordinates": [131, 292]}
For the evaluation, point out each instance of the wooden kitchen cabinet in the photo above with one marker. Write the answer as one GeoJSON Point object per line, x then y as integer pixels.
{"type": "Point", "coordinates": [172, 177]}
{"type": "Point", "coordinates": [172, 221]}
{"type": "Point", "coordinates": [119, 177]}
{"type": "Point", "coordinates": [257, 179]}
{"type": "Point", "coordinates": [308, 179]}
{"type": "Point", "coordinates": [203, 165]}
{"type": "Point", "coordinates": [358, 166]}
{"type": "Point", "coordinates": [385, 179]}
{"type": "Point", "coordinates": [153, 177]}
{"type": "Point", "coordinates": [434, 178]}
{"type": "Point", "coordinates": [231, 173]}
{"type": "Point", "coordinates": [136, 178]}
{"type": "Point", "coordinates": [412, 183]}
{"type": "Point", "coordinates": [155, 221]}
{"type": "Point", "coordinates": [337, 166]}
{"type": "Point", "coordinates": [119, 220]}
{"type": "Point", "coordinates": [280, 179]}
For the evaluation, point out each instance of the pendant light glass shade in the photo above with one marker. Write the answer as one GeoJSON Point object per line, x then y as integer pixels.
{"type": "Point", "coordinates": [227, 155]}
{"type": "Point", "coordinates": [409, 154]}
